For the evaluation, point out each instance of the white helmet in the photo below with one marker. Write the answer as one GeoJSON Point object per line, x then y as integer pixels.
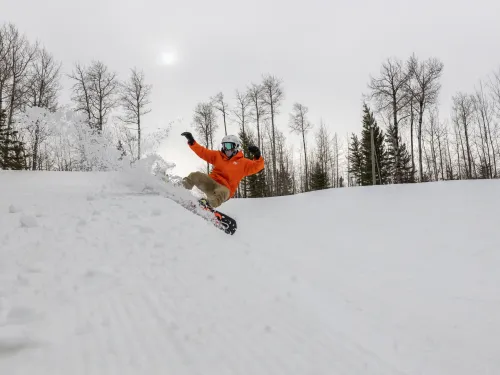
{"type": "Point", "coordinates": [231, 144]}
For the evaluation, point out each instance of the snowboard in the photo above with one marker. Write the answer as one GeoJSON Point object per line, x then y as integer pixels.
{"type": "Point", "coordinates": [220, 220]}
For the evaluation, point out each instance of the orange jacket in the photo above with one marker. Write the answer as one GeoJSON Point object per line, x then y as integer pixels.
{"type": "Point", "coordinates": [228, 172]}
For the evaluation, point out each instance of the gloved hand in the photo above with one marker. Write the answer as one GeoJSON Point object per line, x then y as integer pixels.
{"type": "Point", "coordinates": [255, 151]}
{"type": "Point", "coordinates": [189, 137]}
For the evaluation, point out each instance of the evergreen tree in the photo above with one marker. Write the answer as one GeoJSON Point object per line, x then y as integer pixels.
{"type": "Point", "coordinates": [246, 141]}
{"type": "Point", "coordinates": [381, 161]}
{"type": "Point", "coordinates": [121, 149]}
{"type": "Point", "coordinates": [319, 177]}
{"type": "Point", "coordinates": [17, 159]}
{"type": "Point", "coordinates": [257, 187]}
{"type": "Point", "coordinates": [355, 159]}
{"type": "Point", "coordinates": [12, 151]}
{"type": "Point", "coordinates": [484, 169]}
{"type": "Point", "coordinates": [341, 181]}
{"type": "Point", "coordinates": [3, 138]}
{"type": "Point", "coordinates": [285, 181]}
{"type": "Point", "coordinates": [257, 184]}
{"type": "Point", "coordinates": [400, 168]}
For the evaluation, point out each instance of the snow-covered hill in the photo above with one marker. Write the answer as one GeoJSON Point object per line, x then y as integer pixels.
{"type": "Point", "coordinates": [388, 280]}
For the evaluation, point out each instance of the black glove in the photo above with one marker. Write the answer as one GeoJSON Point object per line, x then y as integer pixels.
{"type": "Point", "coordinates": [255, 151]}
{"type": "Point", "coordinates": [189, 137]}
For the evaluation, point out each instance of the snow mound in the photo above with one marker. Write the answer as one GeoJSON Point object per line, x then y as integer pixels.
{"type": "Point", "coordinates": [15, 209]}
{"type": "Point", "coordinates": [28, 221]}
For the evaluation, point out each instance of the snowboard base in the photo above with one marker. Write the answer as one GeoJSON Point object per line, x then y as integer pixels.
{"type": "Point", "coordinates": [221, 220]}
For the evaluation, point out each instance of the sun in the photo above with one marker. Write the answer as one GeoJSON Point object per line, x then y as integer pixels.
{"type": "Point", "coordinates": [169, 58]}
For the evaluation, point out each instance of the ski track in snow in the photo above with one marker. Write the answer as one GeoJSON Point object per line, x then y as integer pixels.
{"type": "Point", "coordinates": [97, 281]}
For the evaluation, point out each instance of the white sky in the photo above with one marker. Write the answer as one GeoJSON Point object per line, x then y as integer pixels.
{"type": "Point", "coordinates": [323, 50]}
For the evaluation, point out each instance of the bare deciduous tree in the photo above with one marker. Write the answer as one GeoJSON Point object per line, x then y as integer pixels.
{"type": "Point", "coordinates": [82, 92]}
{"type": "Point", "coordinates": [484, 111]}
{"type": "Point", "coordinates": [220, 105]}
{"type": "Point", "coordinates": [5, 64]}
{"type": "Point", "coordinates": [42, 91]}
{"type": "Point", "coordinates": [425, 91]}
{"type": "Point", "coordinates": [16, 55]}
{"type": "Point", "coordinates": [463, 112]}
{"type": "Point", "coordinates": [301, 125]}
{"type": "Point", "coordinates": [324, 156]}
{"type": "Point", "coordinates": [21, 54]}
{"type": "Point", "coordinates": [95, 92]}
{"type": "Point", "coordinates": [104, 85]}
{"type": "Point", "coordinates": [134, 99]}
{"type": "Point", "coordinates": [335, 161]}
{"type": "Point", "coordinates": [273, 97]}
{"type": "Point", "coordinates": [241, 112]}
{"type": "Point", "coordinates": [205, 123]}
{"type": "Point", "coordinates": [259, 111]}
{"type": "Point", "coordinates": [391, 95]}
{"type": "Point", "coordinates": [434, 134]}
{"type": "Point", "coordinates": [494, 85]}
{"type": "Point", "coordinates": [37, 128]}
{"type": "Point", "coordinates": [44, 85]}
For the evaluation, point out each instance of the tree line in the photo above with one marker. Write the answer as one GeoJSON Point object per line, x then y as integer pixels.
{"type": "Point", "coordinates": [417, 144]}
{"type": "Point", "coordinates": [30, 77]}
{"type": "Point", "coordinates": [413, 143]}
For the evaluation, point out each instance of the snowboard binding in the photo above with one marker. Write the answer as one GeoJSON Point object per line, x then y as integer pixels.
{"type": "Point", "coordinates": [226, 223]}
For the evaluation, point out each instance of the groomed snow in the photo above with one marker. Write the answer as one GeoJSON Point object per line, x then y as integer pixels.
{"type": "Point", "coordinates": [95, 279]}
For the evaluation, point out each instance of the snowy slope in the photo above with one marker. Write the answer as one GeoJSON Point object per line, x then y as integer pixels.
{"type": "Point", "coordinates": [386, 280]}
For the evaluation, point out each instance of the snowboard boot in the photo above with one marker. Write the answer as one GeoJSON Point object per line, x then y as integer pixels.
{"type": "Point", "coordinates": [187, 183]}
{"type": "Point", "coordinates": [204, 203]}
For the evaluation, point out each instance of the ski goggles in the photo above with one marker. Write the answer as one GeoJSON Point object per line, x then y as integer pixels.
{"type": "Point", "coordinates": [228, 145]}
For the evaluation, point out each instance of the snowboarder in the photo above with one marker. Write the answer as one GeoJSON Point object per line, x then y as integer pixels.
{"type": "Point", "coordinates": [230, 167]}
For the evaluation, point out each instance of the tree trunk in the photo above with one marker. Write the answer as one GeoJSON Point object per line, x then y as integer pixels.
{"type": "Point", "coordinates": [467, 145]}
{"type": "Point", "coordinates": [224, 116]}
{"type": "Point", "coordinates": [337, 160]}
{"type": "Point", "coordinates": [441, 157]}
{"type": "Point", "coordinates": [373, 156]}
{"type": "Point", "coordinates": [138, 137]}
{"type": "Point", "coordinates": [35, 146]}
{"type": "Point", "coordinates": [420, 156]}
{"type": "Point", "coordinates": [485, 149]}
{"type": "Point", "coordinates": [449, 156]}
{"type": "Point", "coordinates": [412, 119]}
{"type": "Point", "coordinates": [273, 143]}
{"type": "Point", "coordinates": [458, 157]}
{"type": "Point", "coordinates": [463, 155]}
{"type": "Point", "coordinates": [258, 131]}
{"type": "Point", "coordinates": [245, 189]}
{"type": "Point", "coordinates": [434, 156]}
{"type": "Point", "coordinates": [395, 114]}
{"type": "Point", "coordinates": [12, 106]}
{"type": "Point", "coordinates": [493, 151]}
{"type": "Point", "coordinates": [305, 161]}
{"type": "Point", "coordinates": [348, 162]}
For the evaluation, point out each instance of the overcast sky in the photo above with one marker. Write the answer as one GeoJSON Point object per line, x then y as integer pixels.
{"type": "Point", "coordinates": [323, 50]}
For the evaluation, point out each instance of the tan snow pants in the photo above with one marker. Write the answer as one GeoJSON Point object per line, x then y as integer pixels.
{"type": "Point", "coordinates": [216, 193]}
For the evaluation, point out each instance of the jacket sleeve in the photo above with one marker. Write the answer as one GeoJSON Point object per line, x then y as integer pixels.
{"type": "Point", "coordinates": [254, 166]}
{"type": "Point", "coordinates": [204, 153]}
